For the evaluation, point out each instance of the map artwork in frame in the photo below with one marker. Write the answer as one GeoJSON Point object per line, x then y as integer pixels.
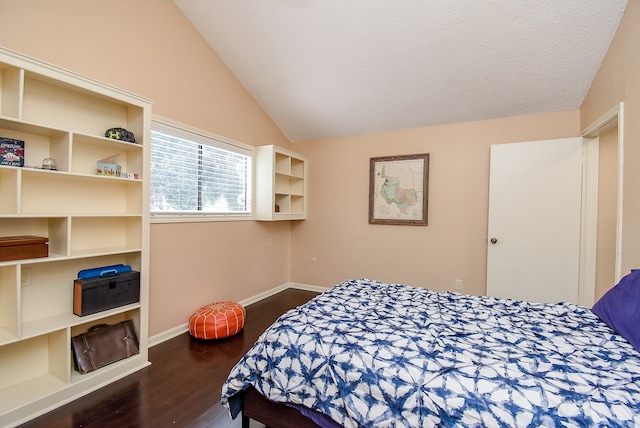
{"type": "Point", "coordinates": [398, 189]}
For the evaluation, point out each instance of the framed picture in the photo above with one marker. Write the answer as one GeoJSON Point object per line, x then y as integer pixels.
{"type": "Point", "coordinates": [398, 189]}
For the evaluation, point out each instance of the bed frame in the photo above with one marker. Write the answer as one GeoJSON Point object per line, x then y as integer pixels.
{"type": "Point", "coordinates": [272, 414]}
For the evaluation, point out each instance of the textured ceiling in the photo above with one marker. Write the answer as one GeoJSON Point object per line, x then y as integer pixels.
{"type": "Point", "coordinates": [330, 68]}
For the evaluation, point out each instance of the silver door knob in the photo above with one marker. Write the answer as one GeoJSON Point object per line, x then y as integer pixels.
{"type": "Point", "coordinates": [494, 240]}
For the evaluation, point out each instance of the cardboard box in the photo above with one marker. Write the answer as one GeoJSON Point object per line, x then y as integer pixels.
{"type": "Point", "coordinates": [11, 152]}
{"type": "Point", "coordinates": [98, 294]}
{"type": "Point", "coordinates": [23, 247]}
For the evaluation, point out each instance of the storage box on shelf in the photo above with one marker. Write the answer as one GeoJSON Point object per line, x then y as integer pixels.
{"type": "Point", "coordinates": [23, 247]}
{"type": "Point", "coordinates": [281, 184]}
{"type": "Point", "coordinates": [93, 295]}
{"type": "Point", "coordinates": [89, 220]}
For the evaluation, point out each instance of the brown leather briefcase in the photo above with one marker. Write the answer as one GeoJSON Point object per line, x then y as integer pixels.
{"type": "Point", "coordinates": [104, 344]}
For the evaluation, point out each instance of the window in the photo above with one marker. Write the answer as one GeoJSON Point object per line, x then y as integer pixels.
{"type": "Point", "coordinates": [193, 174]}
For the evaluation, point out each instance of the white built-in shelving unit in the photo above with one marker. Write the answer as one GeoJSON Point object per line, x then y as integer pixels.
{"type": "Point", "coordinates": [90, 221]}
{"type": "Point", "coordinates": [280, 181]}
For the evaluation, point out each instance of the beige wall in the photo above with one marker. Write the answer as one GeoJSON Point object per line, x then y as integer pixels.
{"type": "Point", "coordinates": [148, 47]}
{"type": "Point", "coordinates": [452, 246]}
{"type": "Point", "coordinates": [618, 80]}
{"type": "Point", "coordinates": [144, 46]}
{"type": "Point", "coordinates": [193, 264]}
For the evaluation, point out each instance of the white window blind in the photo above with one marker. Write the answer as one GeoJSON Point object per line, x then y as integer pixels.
{"type": "Point", "coordinates": [193, 174]}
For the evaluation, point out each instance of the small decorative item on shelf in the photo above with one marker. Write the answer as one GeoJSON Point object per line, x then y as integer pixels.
{"type": "Point", "coordinates": [11, 152]}
{"type": "Point", "coordinates": [120, 134]}
{"type": "Point", "coordinates": [108, 166]}
{"type": "Point", "coordinates": [277, 208]}
{"type": "Point", "coordinates": [50, 164]}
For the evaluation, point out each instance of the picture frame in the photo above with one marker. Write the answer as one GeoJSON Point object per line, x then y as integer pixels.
{"type": "Point", "coordinates": [398, 189]}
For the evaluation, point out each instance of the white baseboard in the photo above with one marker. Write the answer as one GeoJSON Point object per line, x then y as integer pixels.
{"type": "Point", "coordinates": [307, 287]}
{"type": "Point", "coordinates": [168, 334]}
{"type": "Point", "coordinates": [264, 295]}
{"type": "Point", "coordinates": [183, 328]}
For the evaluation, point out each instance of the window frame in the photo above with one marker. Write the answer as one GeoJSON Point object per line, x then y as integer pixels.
{"type": "Point", "coordinates": [201, 217]}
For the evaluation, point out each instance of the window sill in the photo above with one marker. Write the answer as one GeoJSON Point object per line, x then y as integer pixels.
{"type": "Point", "coordinates": [196, 218]}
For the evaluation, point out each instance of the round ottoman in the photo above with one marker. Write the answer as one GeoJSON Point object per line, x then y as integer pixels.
{"type": "Point", "coordinates": [217, 320]}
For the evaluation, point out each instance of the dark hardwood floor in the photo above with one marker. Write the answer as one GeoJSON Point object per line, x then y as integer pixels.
{"type": "Point", "coordinates": [182, 386]}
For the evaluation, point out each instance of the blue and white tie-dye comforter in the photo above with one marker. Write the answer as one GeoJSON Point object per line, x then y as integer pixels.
{"type": "Point", "coordinates": [379, 355]}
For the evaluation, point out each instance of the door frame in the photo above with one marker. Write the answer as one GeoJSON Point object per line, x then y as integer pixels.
{"type": "Point", "coordinates": [589, 228]}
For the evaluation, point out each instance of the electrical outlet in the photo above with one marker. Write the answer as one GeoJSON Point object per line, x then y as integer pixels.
{"type": "Point", "coordinates": [26, 277]}
{"type": "Point", "coordinates": [270, 242]}
{"type": "Point", "coordinates": [458, 285]}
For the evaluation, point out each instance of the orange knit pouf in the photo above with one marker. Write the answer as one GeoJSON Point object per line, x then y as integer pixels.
{"type": "Point", "coordinates": [217, 320]}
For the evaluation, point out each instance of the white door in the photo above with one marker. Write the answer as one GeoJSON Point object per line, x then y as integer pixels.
{"type": "Point", "coordinates": [534, 220]}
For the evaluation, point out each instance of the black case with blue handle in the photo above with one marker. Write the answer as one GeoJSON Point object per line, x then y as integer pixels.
{"type": "Point", "coordinates": [103, 271]}
{"type": "Point", "coordinates": [104, 288]}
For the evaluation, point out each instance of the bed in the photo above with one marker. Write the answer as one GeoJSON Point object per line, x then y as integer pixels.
{"type": "Point", "coordinates": [372, 354]}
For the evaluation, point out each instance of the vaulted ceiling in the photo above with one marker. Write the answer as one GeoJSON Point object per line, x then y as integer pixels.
{"type": "Point", "coordinates": [331, 68]}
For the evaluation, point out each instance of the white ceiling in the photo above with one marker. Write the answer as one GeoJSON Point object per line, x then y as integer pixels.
{"type": "Point", "coordinates": [330, 68]}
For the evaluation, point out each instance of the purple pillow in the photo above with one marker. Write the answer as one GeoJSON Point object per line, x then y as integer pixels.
{"type": "Point", "coordinates": [620, 308]}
